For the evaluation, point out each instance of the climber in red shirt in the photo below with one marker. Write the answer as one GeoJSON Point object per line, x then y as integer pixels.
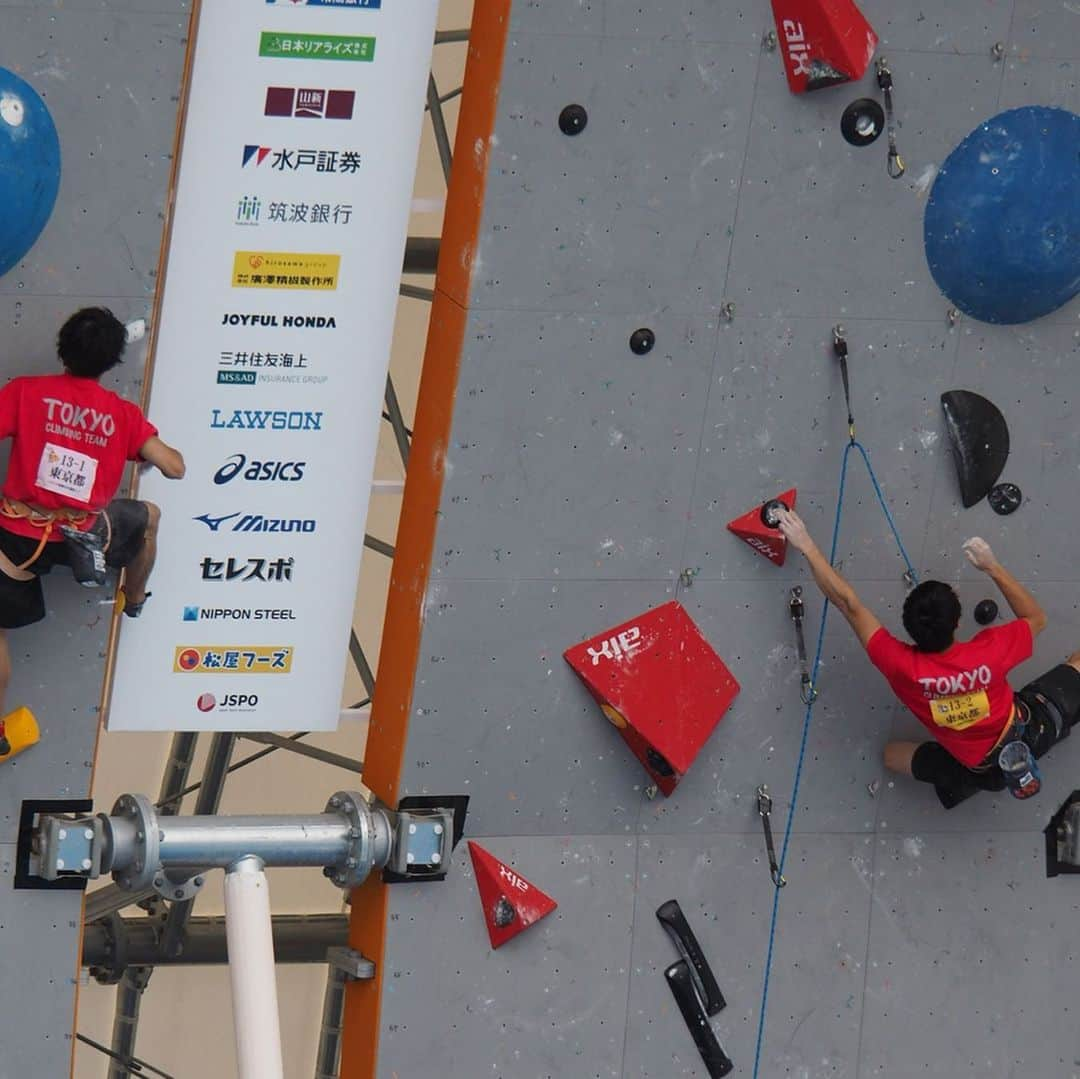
{"type": "Point", "coordinates": [958, 690]}
{"type": "Point", "coordinates": [71, 440]}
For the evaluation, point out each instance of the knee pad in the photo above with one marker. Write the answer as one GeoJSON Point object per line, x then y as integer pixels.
{"type": "Point", "coordinates": [86, 553]}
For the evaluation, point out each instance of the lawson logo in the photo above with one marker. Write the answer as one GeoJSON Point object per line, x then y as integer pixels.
{"type": "Point", "coordinates": [253, 419]}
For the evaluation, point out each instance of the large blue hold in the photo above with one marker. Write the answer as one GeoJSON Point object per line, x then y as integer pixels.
{"type": "Point", "coordinates": [1002, 226]}
{"type": "Point", "coordinates": [29, 168]}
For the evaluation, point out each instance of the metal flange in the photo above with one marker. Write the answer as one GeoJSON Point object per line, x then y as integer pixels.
{"type": "Point", "coordinates": [370, 834]}
{"type": "Point", "coordinates": [136, 858]}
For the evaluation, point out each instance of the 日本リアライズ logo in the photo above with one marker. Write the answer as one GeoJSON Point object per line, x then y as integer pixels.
{"type": "Point", "coordinates": [258, 419]}
{"type": "Point", "coordinates": [308, 103]}
{"type": "Point", "coordinates": [238, 466]}
{"type": "Point", "coordinates": [256, 522]}
{"type": "Point", "coordinates": [301, 159]}
{"type": "Point", "coordinates": [269, 570]}
{"type": "Point", "coordinates": [232, 659]}
{"type": "Point", "coordinates": [278, 46]}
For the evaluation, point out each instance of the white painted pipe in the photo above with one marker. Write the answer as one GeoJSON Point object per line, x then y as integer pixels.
{"type": "Point", "coordinates": [249, 933]}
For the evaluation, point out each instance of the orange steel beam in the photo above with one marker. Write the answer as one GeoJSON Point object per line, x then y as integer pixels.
{"type": "Point", "coordinates": [423, 488]}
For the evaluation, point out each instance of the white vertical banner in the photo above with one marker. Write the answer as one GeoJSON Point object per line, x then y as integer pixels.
{"type": "Point", "coordinates": [292, 206]}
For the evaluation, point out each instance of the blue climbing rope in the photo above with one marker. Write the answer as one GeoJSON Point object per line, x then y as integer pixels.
{"type": "Point", "coordinates": [853, 444]}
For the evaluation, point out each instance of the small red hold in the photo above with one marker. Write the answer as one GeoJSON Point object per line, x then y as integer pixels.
{"type": "Point", "coordinates": [823, 42]}
{"type": "Point", "coordinates": [510, 903]}
{"type": "Point", "coordinates": [758, 527]}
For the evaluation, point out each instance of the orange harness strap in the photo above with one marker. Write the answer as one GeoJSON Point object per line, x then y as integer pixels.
{"type": "Point", "coordinates": [39, 518]}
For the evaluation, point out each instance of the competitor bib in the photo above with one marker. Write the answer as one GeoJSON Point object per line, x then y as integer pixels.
{"type": "Point", "coordinates": [962, 711]}
{"type": "Point", "coordinates": [66, 472]}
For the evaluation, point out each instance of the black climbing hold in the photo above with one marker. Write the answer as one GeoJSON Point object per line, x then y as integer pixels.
{"type": "Point", "coordinates": [572, 120]}
{"type": "Point", "coordinates": [985, 612]}
{"type": "Point", "coordinates": [504, 913]}
{"type": "Point", "coordinates": [658, 764]}
{"type": "Point", "coordinates": [862, 122]}
{"type": "Point", "coordinates": [823, 74]}
{"type": "Point", "coordinates": [769, 512]}
{"type": "Point", "coordinates": [1005, 498]}
{"type": "Point", "coordinates": [980, 442]}
{"type": "Point", "coordinates": [642, 341]}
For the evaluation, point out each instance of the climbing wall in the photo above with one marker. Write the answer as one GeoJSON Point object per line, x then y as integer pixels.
{"type": "Point", "coordinates": [109, 75]}
{"type": "Point", "coordinates": [582, 480]}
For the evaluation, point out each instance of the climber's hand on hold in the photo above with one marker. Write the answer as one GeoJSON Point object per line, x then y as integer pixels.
{"type": "Point", "coordinates": [979, 554]}
{"type": "Point", "coordinates": [794, 530]}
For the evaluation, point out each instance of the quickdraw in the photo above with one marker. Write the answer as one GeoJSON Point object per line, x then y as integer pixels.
{"type": "Point", "coordinates": [841, 352]}
{"type": "Point", "coordinates": [894, 164]}
{"type": "Point", "coordinates": [764, 808]}
{"type": "Point", "coordinates": [807, 693]}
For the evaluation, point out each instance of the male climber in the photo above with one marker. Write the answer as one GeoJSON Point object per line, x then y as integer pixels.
{"type": "Point", "coordinates": [70, 442]}
{"type": "Point", "coordinates": [958, 690]}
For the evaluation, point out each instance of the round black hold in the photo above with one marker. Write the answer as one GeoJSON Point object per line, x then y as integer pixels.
{"type": "Point", "coordinates": [986, 611]}
{"type": "Point", "coordinates": [769, 512]}
{"type": "Point", "coordinates": [642, 341]}
{"type": "Point", "coordinates": [572, 120]}
{"type": "Point", "coordinates": [658, 764]}
{"type": "Point", "coordinates": [1005, 498]}
{"type": "Point", "coordinates": [863, 121]}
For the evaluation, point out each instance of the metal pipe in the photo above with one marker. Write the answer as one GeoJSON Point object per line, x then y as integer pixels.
{"type": "Point", "coordinates": [421, 255]}
{"type": "Point", "coordinates": [328, 1055]}
{"type": "Point", "coordinates": [393, 406]}
{"type": "Point", "coordinates": [217, 842]}
{"type": "Point", "coordinates": [298, 938]}
{"type": "Point", "coordinates": [438, 126]}
{"type": "Point", "coordinates": [316, 753]}
{"type": "Point", "coordinates": [215, 772]}
{"type": "Point", "coordinates": [251, 971]}
{"type": "Point", "coordinates": [126, 1019]}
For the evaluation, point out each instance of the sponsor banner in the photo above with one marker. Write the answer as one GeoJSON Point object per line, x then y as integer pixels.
{"type": "Point", "coordinates": [232, 659]}
{"type": "Point", "coordinates": [292, 202]}
{"type": "Point", "coordinates": [316, 46]}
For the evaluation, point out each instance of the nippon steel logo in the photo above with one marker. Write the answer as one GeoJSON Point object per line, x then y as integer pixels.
{"type": "Point", "coordinates": [309, 103]}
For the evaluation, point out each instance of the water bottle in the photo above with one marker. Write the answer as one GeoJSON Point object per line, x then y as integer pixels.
{"type": "Point", "coordinates": [1019, 769]}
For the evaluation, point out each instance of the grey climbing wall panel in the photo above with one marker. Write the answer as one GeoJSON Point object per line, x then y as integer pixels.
{"type": "Point", "coordinates": [109, 72]}
{"type": "Point", "coordinates": [582, 479]}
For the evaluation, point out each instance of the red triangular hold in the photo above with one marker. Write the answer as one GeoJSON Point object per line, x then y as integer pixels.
{"type": "Point", "coordinates": [510, 902]}
{"type": "Point", "coordinates": [824, 42]}
{"type": "Point", "coordinates": [765, 540]}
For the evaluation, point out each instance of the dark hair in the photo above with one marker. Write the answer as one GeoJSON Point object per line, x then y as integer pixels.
{"type": "Point", "coordinates": [931, 615]}
{"type": "Point", "coordinates": [91, 342]}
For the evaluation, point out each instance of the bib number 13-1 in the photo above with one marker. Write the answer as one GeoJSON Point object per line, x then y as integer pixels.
{"type": "Point", "coordinates": [66, 472]}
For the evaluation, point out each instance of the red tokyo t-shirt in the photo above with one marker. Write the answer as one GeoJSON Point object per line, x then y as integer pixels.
{"type": "Point", "coordinates": [70, 440]}
{"type": "Point", "coordinates": [962, 695]}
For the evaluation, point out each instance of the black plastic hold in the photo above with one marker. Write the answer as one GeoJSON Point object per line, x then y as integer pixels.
{"type": "Point", "coordinates": [1005, 498]}
{"type": "Point", "coordinates": [862, 122]}
{"type": "Point", "coordinates": [642, 341]}
{"type": "Point", "coordinates": [659, 764]}
{"type": "Point", "coordinates": [769, 512]}
{"type": "Point", "coordinates": [572, 120]}
{"type": "Point", "coordinates": [504, 913]}
{"type": "Point", "coordinates": [986, 611]}
{"type": "Point", "coordinates": [980, 442]}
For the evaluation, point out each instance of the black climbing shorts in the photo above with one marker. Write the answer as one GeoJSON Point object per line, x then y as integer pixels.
{"type": "Point", "coordinates": [22, 603]}
{"type": "Point", "coordinates": [1053, 700]}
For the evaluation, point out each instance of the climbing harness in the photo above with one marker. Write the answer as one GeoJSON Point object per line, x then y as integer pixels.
{"type": "Point", "coordinates": [894, 164]}
{"type": "Point", "coordinates": [39, 518]}
{"type": "Point", "coordinates": [840, 349]}
{"type": "Point", "coordinates": [807, 693]}
{"type": "Point", "coordinates": [764, 808]}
